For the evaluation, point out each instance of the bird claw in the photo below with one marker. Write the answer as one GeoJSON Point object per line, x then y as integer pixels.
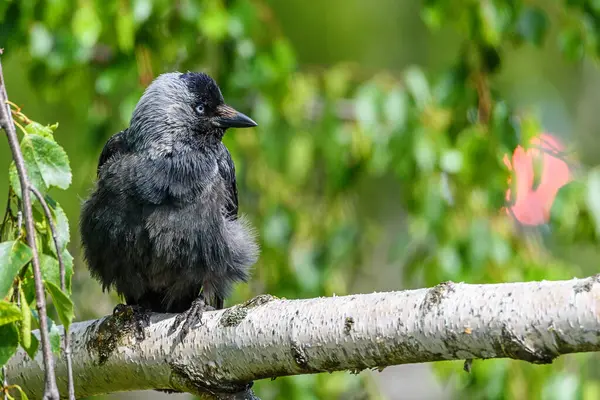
{"type": "Point", "coordinates": [191, 317]}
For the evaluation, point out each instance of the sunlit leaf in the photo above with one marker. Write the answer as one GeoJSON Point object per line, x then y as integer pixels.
{"type": "Point", "coordinates": [46, 162]}
{"type": "Point", "coordinates": [13, 256]}
{"type": "Point", "coordinates": [9, 312]}
{"type": "Point", "coordinates": [46, 131]}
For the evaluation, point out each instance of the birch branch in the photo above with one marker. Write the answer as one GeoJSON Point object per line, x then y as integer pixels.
{"type": "Point", "coordinates": [267, 337]}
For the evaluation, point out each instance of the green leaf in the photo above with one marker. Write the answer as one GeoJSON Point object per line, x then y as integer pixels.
{"type": "Point", "coordinates": [14, 255]}
{"type": "Point", "coordinates": [33, 348]}
{"type": "Point", "coordinates": [25, 324]}
{"type": "Point", "coordinates": [9, 312]}
{"type": "Point", "coordinates": [46, 163]}
{"type": "Point", "coordinates": [9, 341]}
{"type": "Point", "coordinates": [54, 337]}
{"type": "Point", "coordinates": [51, 271]}
{"type": "Point", "coordinates": [35, 128]}
{"type": "Point", "coordinates": [62, 303]}
{"type": "Point", "coordinates": [35, 178]}
{"type": "Point", "coordinates": [51, 160]}
{"type": "Point", "coordinates": [28, 285]}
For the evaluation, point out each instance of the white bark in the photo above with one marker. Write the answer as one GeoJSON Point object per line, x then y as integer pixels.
{"type": "Point", "coordinates": [535, 322]}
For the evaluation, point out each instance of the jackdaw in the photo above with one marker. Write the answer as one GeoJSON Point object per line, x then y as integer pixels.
{"type": "Point", "coordinates": [161, 226]}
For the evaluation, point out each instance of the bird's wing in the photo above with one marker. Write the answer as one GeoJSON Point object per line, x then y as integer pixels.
{"type": "Point", "coordinates": [114, 146]}
{"type": "Point", "coordinates": [227, 171]}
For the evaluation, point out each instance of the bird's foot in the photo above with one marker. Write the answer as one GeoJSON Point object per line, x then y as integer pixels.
{"type": "Point", "coordinates": [190, 317]}
{"type": "Point", "coordinates": [135, 318]}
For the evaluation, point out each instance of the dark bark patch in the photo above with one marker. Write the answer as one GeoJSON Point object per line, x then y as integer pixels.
{"type": "Point", "coordinates": [586, 285]}
{"type": "Point", "coordinates": [348, 324]}
{"type": "Point", "coordinates": [235, 315]}
{"type": "Point", "coordinates": [300, 356]}
{"type": "Point", "coordinates": [435, 295]}
{"type": "Point", "coordinates": [125, 323]}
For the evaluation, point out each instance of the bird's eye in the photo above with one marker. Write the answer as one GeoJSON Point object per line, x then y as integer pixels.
{"type": "Point", "coordinates": [200, 109]}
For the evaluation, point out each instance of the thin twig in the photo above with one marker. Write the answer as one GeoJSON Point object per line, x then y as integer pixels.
{"type": "Point", "coordinates": [63, 285]}
{"type": "Point", "coordinates": [4, 382]}
{"type": "Point", "coordinates": [6, 122]}
{"type": "Point", "coordinates": [6, 213]}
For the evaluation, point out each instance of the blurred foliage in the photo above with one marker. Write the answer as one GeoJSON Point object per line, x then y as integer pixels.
{"type": "Point", "coordinates": [356, 179]}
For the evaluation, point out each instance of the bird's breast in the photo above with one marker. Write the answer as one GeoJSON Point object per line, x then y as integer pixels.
{"type": "Point", "coordinates": [180, 179]}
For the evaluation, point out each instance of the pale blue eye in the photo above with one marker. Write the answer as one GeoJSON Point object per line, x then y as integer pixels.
{"type": "Point", "coordinates": [200, 109]}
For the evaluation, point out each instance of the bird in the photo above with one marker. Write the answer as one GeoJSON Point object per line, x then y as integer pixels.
{"type": "Point", "coordinates": [161, 225]}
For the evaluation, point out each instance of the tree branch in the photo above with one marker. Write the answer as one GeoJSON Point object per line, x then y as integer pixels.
{"type": "Point", "coordinates": [6, 122]}
{"type": "Point", "coordinates": [267, 337]}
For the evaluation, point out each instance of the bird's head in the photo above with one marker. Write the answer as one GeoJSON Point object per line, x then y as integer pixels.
{"type": "Point", "coordinates": [183, 106]}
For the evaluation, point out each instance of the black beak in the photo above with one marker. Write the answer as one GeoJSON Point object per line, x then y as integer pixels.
{"type": "Point", "coordinates": [228, 117]}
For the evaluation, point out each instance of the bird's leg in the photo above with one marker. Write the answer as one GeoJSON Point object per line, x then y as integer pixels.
{"type": "Point", "coordinates": [191, 317]}
{"type": "Point", "coordinates": [132, 316]}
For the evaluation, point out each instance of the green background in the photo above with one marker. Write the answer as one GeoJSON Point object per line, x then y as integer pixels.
{"type": "Point", "coordinates": [377, 162]}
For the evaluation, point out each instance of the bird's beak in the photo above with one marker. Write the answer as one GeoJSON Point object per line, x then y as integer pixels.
{"type": "Point", "coordinates": [228, 117]}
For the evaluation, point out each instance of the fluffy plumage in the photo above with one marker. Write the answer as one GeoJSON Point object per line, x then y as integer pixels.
{"type": "Point", "coordinates": [162, 222]}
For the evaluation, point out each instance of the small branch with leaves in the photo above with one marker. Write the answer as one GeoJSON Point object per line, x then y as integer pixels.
{"type": "Point", "coordinates": [36, 260]}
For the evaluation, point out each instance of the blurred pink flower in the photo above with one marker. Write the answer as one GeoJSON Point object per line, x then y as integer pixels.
{"type": "Point", "coordinates": [529, 205]}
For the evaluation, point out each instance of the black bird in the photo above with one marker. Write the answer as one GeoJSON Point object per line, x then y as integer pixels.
{"type": "Point", "coordinates": [162, 226]}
